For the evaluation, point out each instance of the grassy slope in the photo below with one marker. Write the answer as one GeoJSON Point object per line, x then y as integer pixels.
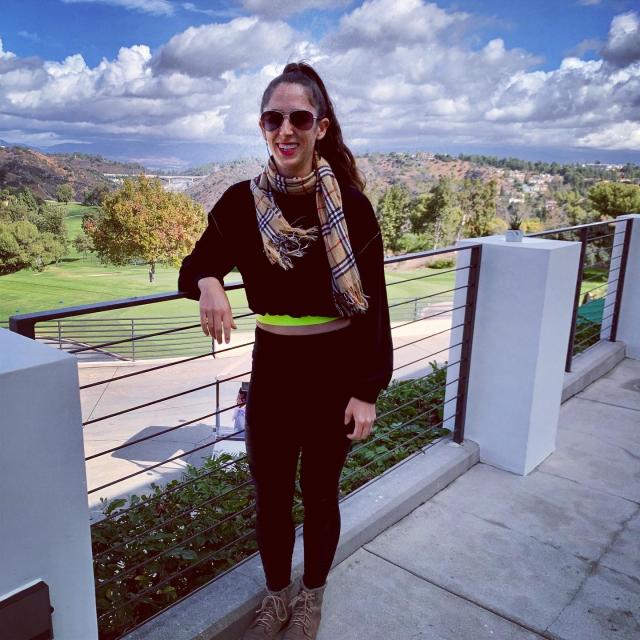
{"type": "Point", "coordinates": [84, 280]}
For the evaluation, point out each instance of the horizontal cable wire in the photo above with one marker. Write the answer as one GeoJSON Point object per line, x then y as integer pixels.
{"type": "Point", "coordinates": [429, 275]}
{"type": "Point", "coordinates": [433, 315]}
{"type": "Point", "coordinates": [604, 284]}
{"type": "Point", "coordinates": [161, 433]}
{"type": "Point", "coordinates": [577, 345]}
{"type": "Point", "coordinates": [149, 335]}
{"type": "Point", "coordinates": [138, 373]}
{"type": "Point", "coordinates": [594, 238]}
{"type": "Point", "coordinates": [158, 400]}
{"type": "Point", "coordinates": [159, 464]}
{"type": "Point", "coordinates": [159, 525]}
{"type": "Point", "coordinates": [402, 346]}
{"type": "Point", "coordinates": [384, 415]}
{"type": "Point", "coordinates": [368, 442]}
{"type": "Point", "coordinates": [424, 357]}
{"type": "Point", "coordinates": [175, 575]}
{"type": "Point", "coordinates": [181, 485]}
{"type": "Point", "coordinates": [592, 278]}
{"type": "Point", "coordinates": [403, 444]}
{"type": "Point", "coordinates": [431, 295]}
{"type": "Point", "coordinates": [188, 482]}
{"type": "Point", "coordinates": [176, 545]}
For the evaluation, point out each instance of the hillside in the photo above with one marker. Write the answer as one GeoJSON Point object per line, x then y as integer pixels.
{"type": "Point", "coordinates": [417, 171]}
{"type": "Point", "coordinates": [21, 167]}
{"type": "Point", "coordinates": [220, 178]}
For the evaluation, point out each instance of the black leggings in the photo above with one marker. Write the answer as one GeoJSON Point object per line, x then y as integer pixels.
{"type": "Point", "coordinates": [297, 398]}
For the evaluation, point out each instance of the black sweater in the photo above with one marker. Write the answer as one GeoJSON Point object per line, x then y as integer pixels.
{"type": "Point", "coordinates": [232, 239]}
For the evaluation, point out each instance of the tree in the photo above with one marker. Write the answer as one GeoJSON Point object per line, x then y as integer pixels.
{"type": "Point", "coordinates": [33, 233]}
{"type": "Point", "coordinates": [64, 193]}
{"type": "Point", "coordinates": [51, 218]}
{"type": "Point", "coordinates": [612, 199]}
{"type": "Point", "coordinates": [142, 221]}
{"type": "Point", "coordinates": [444, 213]}
{"type": "Point", "coordinates": [82, 243]}
{"type": "Point", "coordinates": [577, 209]}
{"type": "Point", "coordinates": [478, 202]}
{"type": "Point", "coordinates": [94, 197]}
{"type": "Point", "coordinates": [419, 213]}
{"type": "Point", "coordinates": [393, 215]}
{"type": "Point", "coordinates": [23, 246]}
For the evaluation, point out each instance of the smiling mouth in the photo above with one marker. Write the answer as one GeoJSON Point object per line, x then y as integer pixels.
{"type": "Point", "coordinates": [287, 149]}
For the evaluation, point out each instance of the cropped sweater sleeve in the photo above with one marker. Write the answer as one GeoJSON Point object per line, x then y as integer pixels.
{"type": "Point", "coordinates": [372, 330]}
{"type": "Point", "coordinates": [212, 254]}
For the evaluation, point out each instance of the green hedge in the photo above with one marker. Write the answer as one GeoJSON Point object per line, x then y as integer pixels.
{"type": "Point", "coordinates": [203, 524]}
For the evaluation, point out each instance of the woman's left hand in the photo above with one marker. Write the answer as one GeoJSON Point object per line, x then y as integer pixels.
{"type": "Point", "coordinates": [363, 414]}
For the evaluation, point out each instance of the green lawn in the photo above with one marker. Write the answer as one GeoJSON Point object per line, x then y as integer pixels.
{"type": "Point", "coordinates": [79, 279]}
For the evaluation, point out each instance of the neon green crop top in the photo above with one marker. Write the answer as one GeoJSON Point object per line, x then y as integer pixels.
{"type": "Point", "coordinates": [284, 320]}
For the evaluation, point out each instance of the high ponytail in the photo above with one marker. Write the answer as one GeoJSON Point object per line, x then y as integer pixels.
{"type": "Point", "coordinates": [331, 147]}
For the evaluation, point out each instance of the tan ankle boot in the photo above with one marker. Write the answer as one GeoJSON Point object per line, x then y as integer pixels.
{"type": "Point", "coordinates": [305, 614]}
{"type": "Point", "coordinates": [272, 615]}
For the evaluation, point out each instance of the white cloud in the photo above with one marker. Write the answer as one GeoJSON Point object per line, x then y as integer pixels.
{"type": "Point", "coordinates": [212, 13]}
{"type": "Point", "coordinates": [28, 35]}
{"type": "Point", "coordinates": [623, 44]}
{"type": "Point", "coordinates": [240, 44]}
{"type": "Point", "coordinates": [398, 71]}
{"type": "Point", "coordinates": [5, 55]}
{"type": "Point", "coordinates": [385, 24]}
{"type": "Point", "coordinates": [619, 136]}
{"type": "Point", "coordinates": [154, 7]}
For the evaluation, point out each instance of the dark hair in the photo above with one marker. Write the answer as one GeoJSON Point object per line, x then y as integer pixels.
{"type": "Point", "coordinates": [332, 148]}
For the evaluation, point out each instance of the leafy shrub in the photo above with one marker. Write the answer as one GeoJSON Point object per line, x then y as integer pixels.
{"type": "Point", "coordinates": [150, 550]}
{"type": "Point", "coordinates": [442, 263]}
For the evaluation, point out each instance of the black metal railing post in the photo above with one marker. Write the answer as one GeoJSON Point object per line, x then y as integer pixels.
{"type": "Point", "coordinates": [467, 343]}
{"type": "Point", "coordinates": [24, 326]}
{"type": "Point", "coordinates": [628, 230]}
{"type": "Point", "coordinates": [133, 340]}
{"type": "Point", "coordinates": [584, 233]}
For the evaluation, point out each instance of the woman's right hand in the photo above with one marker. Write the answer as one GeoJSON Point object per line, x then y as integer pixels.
{"type": "Point", "coordinates": [215, 311]}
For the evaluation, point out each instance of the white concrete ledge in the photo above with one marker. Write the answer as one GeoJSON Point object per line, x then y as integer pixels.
{"type": "Point", "coordinates": [590, 365]}
{"type": "Point", "coordinates": [223, 608]}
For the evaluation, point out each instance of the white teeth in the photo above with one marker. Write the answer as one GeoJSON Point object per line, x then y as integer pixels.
{"type": "Point", "coordinates": [287, 146]}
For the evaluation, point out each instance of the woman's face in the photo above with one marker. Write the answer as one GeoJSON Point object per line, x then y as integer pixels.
{"type": "Point", "coordinates": [292, 148]}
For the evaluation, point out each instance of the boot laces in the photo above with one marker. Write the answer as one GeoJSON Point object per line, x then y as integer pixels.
{"type": "Point", "coordinates": [301, 615]}
{"type": "Point", "coordinates": [271, 605]}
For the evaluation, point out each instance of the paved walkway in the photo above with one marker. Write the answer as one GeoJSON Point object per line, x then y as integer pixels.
{"type": "Point", "coordinates": [555, 554]}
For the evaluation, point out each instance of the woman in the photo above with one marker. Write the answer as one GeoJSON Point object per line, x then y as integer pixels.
{"type": "Point", "coordinates": [308, 246]}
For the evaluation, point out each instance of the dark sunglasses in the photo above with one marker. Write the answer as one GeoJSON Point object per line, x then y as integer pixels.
{"type": "Point", "coordinates": [303, 120]}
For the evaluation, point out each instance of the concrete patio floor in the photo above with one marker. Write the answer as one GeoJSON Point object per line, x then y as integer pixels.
{"type": "Point", "coordinates": [555, 554]}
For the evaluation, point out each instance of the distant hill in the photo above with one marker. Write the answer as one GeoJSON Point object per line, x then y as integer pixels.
{"type": "Point", "coordinates": [417, 171]}
{"type": "Point", "coordinates": [220, 177]}
{"type": "Point", "coordinates": [97, 163]}
{"type": "Point", "coordinates": [22, 167]}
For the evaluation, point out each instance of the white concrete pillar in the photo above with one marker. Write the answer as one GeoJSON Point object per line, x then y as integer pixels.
{"type": "Point", "coordinates": [44, 517]}
{"type": "Point", "coordinates": [629, 318]}
{"type": "Point", "coordinates": [522, 323]}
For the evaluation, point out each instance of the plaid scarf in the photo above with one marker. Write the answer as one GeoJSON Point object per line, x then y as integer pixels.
{"type": "Point", "coordinates": [281, 240]}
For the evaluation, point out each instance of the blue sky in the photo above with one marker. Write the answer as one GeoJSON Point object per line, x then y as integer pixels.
{"type": "Point", "coordinates": [53, 30]}
{"type": "Point", "coordinates": [133, 78]}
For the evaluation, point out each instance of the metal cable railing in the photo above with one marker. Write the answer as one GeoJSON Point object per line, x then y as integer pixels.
{"type": "Point", "coordinates": [151, 547]}
{"type": "Point", "coordinates": [603, 255]}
